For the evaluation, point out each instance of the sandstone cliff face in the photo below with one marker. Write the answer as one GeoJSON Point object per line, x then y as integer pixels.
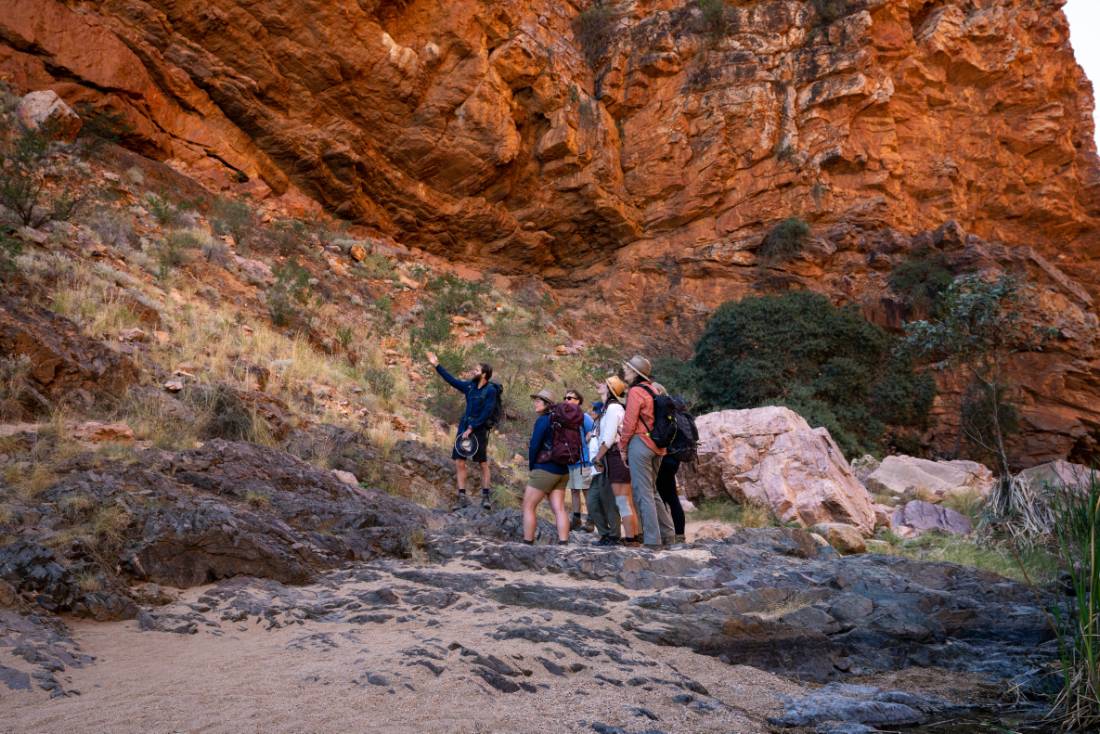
{"type": "Point", "coordinates": [640, 146]}
{"type": "Point", "coordinates": [490, 128]}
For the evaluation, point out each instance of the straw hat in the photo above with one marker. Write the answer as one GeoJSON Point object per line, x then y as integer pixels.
{"type": "Point", "coordinates": [616, 386]}
{"type": "Point", "coordinates": [544, 395]}
{"type": "Point", "coordinates": [639, 364]}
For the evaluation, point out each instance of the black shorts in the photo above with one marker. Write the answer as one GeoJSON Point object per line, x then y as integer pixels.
{"type": "Point", "coordinates": [480, 456]}
{"type": "Point", "coordinates": [617, 471]}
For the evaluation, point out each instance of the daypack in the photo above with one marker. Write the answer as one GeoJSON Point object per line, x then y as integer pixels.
{"type": "Point", "coordinates": [685, 444]}
{"type": "Point", "coordinates": [497, 413]}
{"type": "Point", "coordinates": [566, 420]}
{"type": "Point", "coordinates": [664, 428]}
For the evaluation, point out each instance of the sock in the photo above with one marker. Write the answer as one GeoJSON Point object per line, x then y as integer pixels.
{"type": "Point", "coordinates": [528, 542]}
{"type": "Point", "coordinates": [576, 514]}
{"type": "Point", "coordinates": [462, 490]}
{"type": "Point", "coordinates": [563, 542]}
{"type": "Point", "coordinates": [485, 490]}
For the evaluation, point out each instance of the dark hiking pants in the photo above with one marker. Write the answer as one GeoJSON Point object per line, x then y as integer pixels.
{"type": "Point", "coordinates": [602, 510]}
{"type": "Point", "coordinates": [666, 488]}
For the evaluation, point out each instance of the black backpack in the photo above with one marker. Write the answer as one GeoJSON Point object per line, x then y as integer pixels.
{"type": "Point", "coordinates": [685, 445]}
{"type": "Point", "coordinates": [664, 429]}
{"type": "Point", "coordinates": [497, 413]}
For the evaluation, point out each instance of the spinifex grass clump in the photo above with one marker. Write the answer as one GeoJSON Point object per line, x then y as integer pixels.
{"type": "Point", "coordinates": [1078, 623]}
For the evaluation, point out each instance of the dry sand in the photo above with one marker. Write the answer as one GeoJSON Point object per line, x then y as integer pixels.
{"type": "Point", "coordinates": [313, 677]}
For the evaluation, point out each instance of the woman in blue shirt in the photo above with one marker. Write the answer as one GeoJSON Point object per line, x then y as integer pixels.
{"type": "Point", "coordinates": [547, 477]}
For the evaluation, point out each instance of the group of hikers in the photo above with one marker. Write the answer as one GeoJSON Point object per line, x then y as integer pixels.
{"type": "Point", "coordinates": [619, 458]}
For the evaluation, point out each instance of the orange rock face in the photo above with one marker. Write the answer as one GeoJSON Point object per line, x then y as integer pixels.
{"type": "Point", "coordinates": [628, 149]}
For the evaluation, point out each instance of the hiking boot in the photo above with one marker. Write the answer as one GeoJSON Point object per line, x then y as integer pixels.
{"type": "Point", "coordinates": [589, 526]}
{"type": "Point", "coordinates": [576, 524]}
{"type": "Point", "coordinates": [486, 504]}
{"type": "Point", "coordinates": [680, 539]}
{"type": "Point", "coordinates": [462, 503]}
{"type": "Point", "coordinates": [630, 542]}
{"type": "Point", "coordinates": [606, 540]}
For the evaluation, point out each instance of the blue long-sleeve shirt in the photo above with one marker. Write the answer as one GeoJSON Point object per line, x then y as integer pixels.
{"type": "Point", "coordinates": [479, 400]}
{"type": "Point", "coordinates": [540, 439]}
{"type": "Point", "coordinates": [585, 429]}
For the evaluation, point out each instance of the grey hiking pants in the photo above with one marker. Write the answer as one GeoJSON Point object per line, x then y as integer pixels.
{"type": "Point", "coordinates": [602, 510]}
{"type": "Point", "coordinates": [656, 520]}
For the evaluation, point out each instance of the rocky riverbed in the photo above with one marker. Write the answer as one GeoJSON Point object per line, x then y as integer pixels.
{"type": "Point", "coordinates": [451, 625]}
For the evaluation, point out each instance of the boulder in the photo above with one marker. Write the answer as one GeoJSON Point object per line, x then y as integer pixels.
{"type": "Point", "coordinates": [845, 538]}
{"type": "Point", "coordinates": [771, 456]}
{"type": "Point", "coordinates": [918, 517]}
{"type": "Point", "coordinates": [1058, 474]}
{"type": "Point", "coordinates": [44, 111]}
{"type": "Point", "coordinates": [65, 364]}
{"type": "Point", "coordinates": [98, 432]}
{"type": "Point", "coordinates": [933, 481]}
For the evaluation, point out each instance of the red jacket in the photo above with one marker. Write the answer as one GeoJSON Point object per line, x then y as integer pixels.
{"type": "Point", "coordinates": [638, 419]}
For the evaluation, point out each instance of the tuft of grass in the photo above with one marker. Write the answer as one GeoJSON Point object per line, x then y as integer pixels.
{"type": "Point", "coordinates": [998, 556]}
{"type": "Point", "coordinates": [89, 582]}
{"type": "Point", "coordinates": [1077, 623]}
{"type": "Point", "coordinates": [747, 515]}
{"type": "Point", "coordinates": [969, 503]}
{"type": "Point", "coordinates": [257, 500]}
{"type": "Point", "coordinates": [75, 506]}
{"type": "Point", "coordinates": [110, 523]}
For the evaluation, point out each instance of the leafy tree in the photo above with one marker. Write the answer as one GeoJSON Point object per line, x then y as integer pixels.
{"type": "Point", "coordinates": [980, 325]}
{"type": "Point", "coordinates": [826, 362]}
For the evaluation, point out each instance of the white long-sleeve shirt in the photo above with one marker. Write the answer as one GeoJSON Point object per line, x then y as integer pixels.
{"type": "Point", "coordinates": [609, 424]}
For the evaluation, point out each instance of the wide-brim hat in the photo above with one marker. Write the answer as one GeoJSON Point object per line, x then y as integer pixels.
{"type": "Point", "coordinates": [616, 386]}
{"type": "Point", "coordinates": [639, 364]}
{"type": "Point", "coordinates": [544, 395]}
{"type": "Point", "coordinates": [466, 445]}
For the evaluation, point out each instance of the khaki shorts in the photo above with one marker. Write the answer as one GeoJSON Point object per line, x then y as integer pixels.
{"type": "Point", "coordinates": [546, 482]}
{"type": "Point", "coordinates": [579, 477]}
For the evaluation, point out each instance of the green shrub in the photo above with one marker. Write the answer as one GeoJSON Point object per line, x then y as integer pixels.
{"type": "Point", "coordinates": [286, 236]}
{"type": "Point", "coordinates": [9, 250]}
{"type": "Point", "coordinates": [173, 251]}
{"type": "Point", "coordinates": [380, 380]}
{"type": "Point", "coordinates": [594, 29]}
{"type": "Point", "coordinates": [378, 267]}
{"type": "Point", "coordinates": [921, 280]}
{"type": "Point", "coordinates": [784, 242]}
{"type": "Point", "coordinates": [831, 10]}
{"type": "Point", "coordinates": [234, 218]}
{"type": "Point", "coordinates": [715, 21]}
{"type": "Point", "coordinates": [30, 160]}
{"type": "Point", "coordinates": [827, 363]}
{"type": "Point", "coordinates": [288, 298]}
{"type": "Point", "coordinates": [162, 210]}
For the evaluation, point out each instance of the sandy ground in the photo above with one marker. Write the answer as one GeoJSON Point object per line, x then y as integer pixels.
{"type": "Point", "coordinates": [313, 677]}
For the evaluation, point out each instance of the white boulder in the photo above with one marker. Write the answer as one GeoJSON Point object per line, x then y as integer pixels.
{"type": "Point", "coordinates": [46, 112]}
{"type": "Point", "coordinates": [772, 457]}
{"type": "Point", "coordinates": [932, 481]}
